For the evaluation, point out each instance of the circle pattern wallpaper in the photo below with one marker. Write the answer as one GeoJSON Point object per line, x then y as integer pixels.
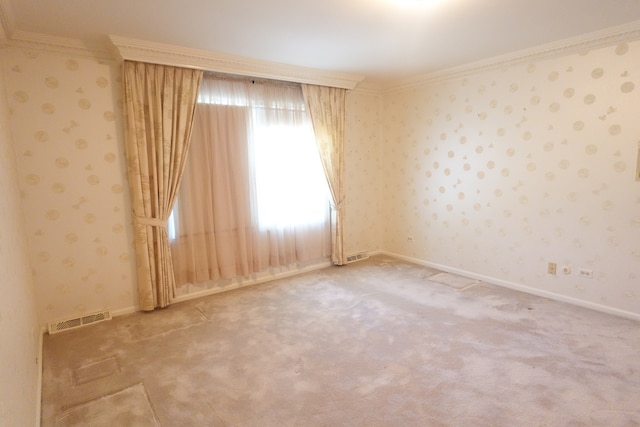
{"type": "Point", "coordinates": [495, 174]}
{"type": "Point", "coordinates": [503, 171]}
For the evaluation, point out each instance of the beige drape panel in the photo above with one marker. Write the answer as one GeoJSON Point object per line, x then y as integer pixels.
{"type": "Point", "coordinates": [159, 104]}
{"type": "Point", "coordinates": [327, 109]}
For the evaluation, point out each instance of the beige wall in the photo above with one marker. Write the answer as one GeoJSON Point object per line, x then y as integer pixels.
{"type": "Point", "coordinates": [362, 172]}
{"type": "Point", "coordinates": [494, 175]}
{"type": "Point", "coordinates": [19, 328]}
{"type": "Point", "coordinates": [500, 172]}
{"type": "Point", "coordinates": [68, 134]}
{"type": "Point", "coordinates": [68, 121]}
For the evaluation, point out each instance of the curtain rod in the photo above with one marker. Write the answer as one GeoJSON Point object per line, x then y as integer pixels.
{"type": "Point", "coordinates": [245, 78]}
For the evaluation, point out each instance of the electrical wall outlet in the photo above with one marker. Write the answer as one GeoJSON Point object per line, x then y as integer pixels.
{"type": "Point", "coordinates": [552, 268]}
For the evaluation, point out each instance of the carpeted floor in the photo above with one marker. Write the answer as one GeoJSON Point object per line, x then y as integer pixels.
{"type": "Point", "coordinates": [376, 343]}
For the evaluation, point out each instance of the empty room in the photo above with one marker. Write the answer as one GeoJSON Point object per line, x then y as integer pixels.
{"type": "Point", "coordinates": [343, 213]}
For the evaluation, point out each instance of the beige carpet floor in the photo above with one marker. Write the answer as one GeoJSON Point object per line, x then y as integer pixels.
{"type": "Point", "coordinates": [374, 343]}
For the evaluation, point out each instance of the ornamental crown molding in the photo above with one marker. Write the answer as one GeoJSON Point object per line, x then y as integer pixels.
{"type": "Point", "coordinates": [3, 34]}
{"type": "Point", "coordinates": [54, 44]}
{"type": "Point", "coordinates": [165, 54]}
{"type": "Point", "coordinates": [580, 44]}
{"type": "Point", "coordinates": [13, 37]}
{"type": "Point", "coordinates": [7, 23]}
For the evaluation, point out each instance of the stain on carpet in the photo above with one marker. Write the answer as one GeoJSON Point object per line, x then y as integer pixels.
{"type": "Point", "coordinates": [164, 321]}
{"type": "Point", "coordinates": [133, 409]}
{"type": "Point", "coordinates": [453, 280]}
{"type": "Point", "coordinates": [96, 370]}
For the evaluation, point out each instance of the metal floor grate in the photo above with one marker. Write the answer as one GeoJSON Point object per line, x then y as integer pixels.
{"type": "Point", "coordinates": [77, 322]}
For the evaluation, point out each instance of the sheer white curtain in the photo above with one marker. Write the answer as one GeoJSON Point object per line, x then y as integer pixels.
{"type": "Point", "coordinates": [254, 194]}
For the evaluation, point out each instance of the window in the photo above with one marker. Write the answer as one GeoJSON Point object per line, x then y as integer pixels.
{"type": "Point", "coordinates": [289, 177]}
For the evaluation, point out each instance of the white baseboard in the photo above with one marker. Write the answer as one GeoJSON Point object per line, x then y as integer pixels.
{"type": "Point", "coordinates": [123, 311]}
{"type": "Point", "coordinates": [488, 279]}
{"type": "Point", "coordinates": [40, 367]}
{"type": "Point", "coordinates": [234, 285]}
{"type": "Point", "coordinates": [520, 287]}
{"type": "Point", "coordinates": [241, 284]}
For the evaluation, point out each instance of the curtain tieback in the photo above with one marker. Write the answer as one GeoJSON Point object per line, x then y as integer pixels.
{"type": "Point", "coordinates": [154, 222]}
{"type": "Point", "coordinates": [337, 206]}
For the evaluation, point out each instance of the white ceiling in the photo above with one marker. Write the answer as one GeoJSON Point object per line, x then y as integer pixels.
{"type": "Point", "coordinates": [381, 39]}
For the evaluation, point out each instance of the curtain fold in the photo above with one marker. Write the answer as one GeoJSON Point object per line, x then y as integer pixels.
{"type": "Point", "coordinates": [253, 194]}
{"type": "Point", "coordinates": [326, 106]}
{"type": "Point", "coordinates": [159, 104]}
{"type": "Point", "coordinates": [216, 237]}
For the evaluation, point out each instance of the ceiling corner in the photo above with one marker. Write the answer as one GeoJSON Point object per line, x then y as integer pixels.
{"type": "Point", "coordinates": [606, 37]}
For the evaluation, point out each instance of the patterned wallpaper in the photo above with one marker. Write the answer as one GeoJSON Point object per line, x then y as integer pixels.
{"type": "Point", "coordinates": [68, 134]}
{"type": "Point", "coordinates": [495, 174]}
{"type": "Point", "coordinates": [503, 171]}
{"type": "Point", "coordinates": [362, 167]}
{"type": "Point", "coordinates": [73, 176]}
{"type": "Point", "coordinates": [19, 327]}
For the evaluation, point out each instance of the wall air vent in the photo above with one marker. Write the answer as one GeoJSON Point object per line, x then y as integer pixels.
{"type": "Point", "coordinates": [357, 257]}
{"type": "Point", "coordinates": [77, 322]}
